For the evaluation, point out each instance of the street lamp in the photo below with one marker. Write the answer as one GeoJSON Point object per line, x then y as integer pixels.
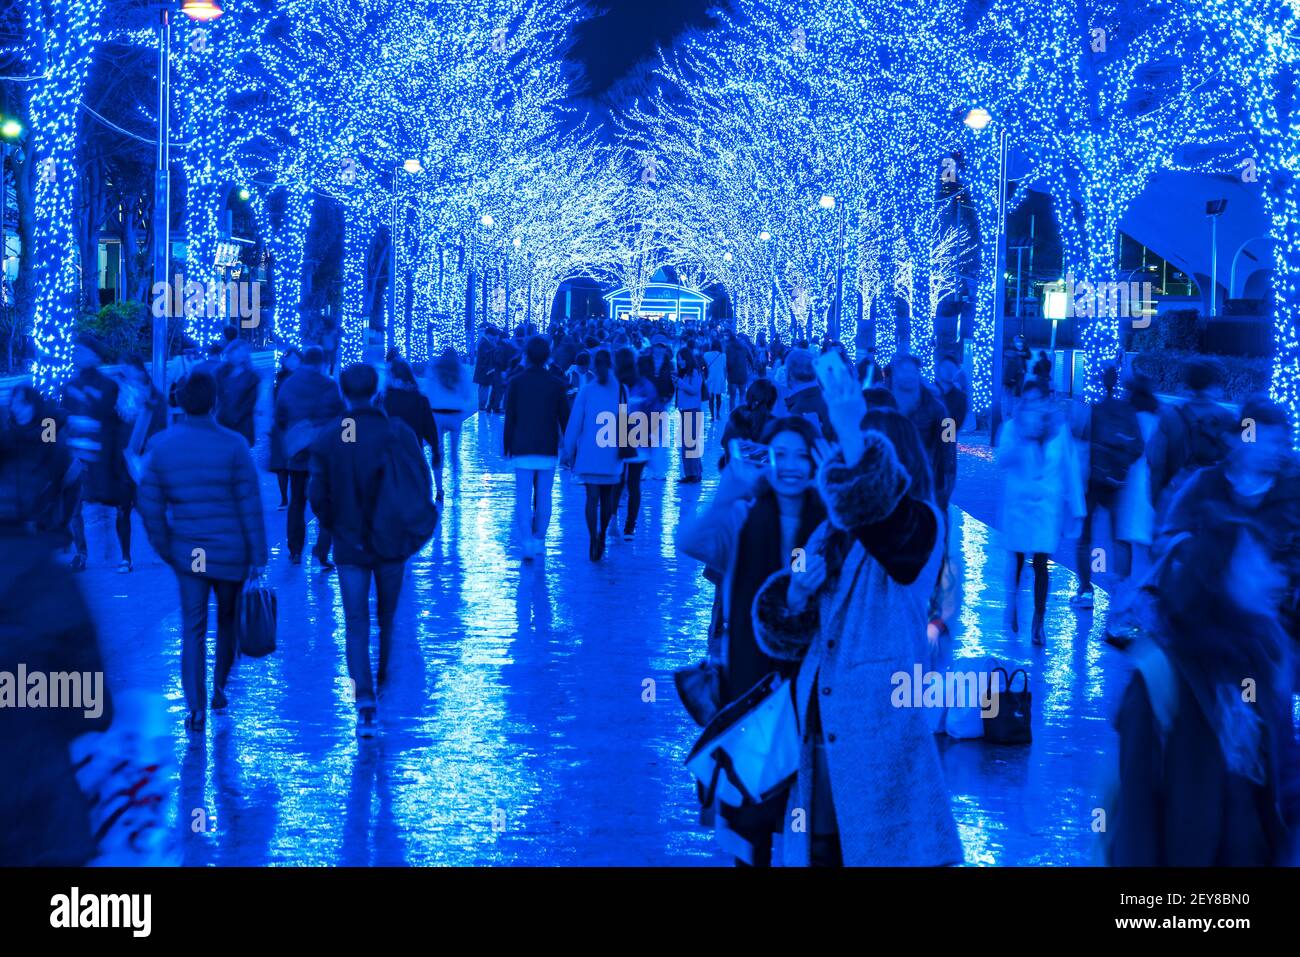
{"type": "Point", "coordinates": [764, 237]}
{"type": "Point", "coordinates": [203, 10]}
{"type": "Point", "coordinates": [487, 220]}
{"type": "Point", "coordinates": [11, 130]}
{"type": "Point", "coordinates": [978, 119]}
{"type": "Point", "coordinates": [826, 202]}
{"type": "Point", "coordinates": [411, 167]}
{"type": "Point", "coordinates": [727, 257]}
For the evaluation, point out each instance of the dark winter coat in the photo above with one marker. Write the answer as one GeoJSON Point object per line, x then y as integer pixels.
{"type": "Point", "coordinates": [810, 401]}
{"type": "Point", "coordinates": [537, 412]}
{"type": "Point", "coordinates": [45, 625]}
{"type": "Point", "coordinates": [413, 408]}
{"type": "Point", "coordinates": [344, 484]}
{"type": "Point", "coordinates": [483, 363]}
{"type": "Point", "coordinates": [279, 461]}
{"type": "Point", "coordinates": [1177, 803]}
{"type": "Point", "coordinates": [96, 437]}
{"type": "Point", "coordinates": [236, 399]}
{"type": "Point", "coordinates": [200, 491]}
{"type": "Point", "coordinates": [737, 363]}
{"type": "Point", "coordinates": [308, 400]}
{"type": "Point", "coordinates": [32, 472]}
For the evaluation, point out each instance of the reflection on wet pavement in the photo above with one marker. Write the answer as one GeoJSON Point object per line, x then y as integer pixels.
{"type": "Point", "coordinates": [531, 718]}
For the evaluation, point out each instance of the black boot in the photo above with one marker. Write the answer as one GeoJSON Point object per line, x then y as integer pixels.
{"type": "Point", "coordinates": [1039, 639]}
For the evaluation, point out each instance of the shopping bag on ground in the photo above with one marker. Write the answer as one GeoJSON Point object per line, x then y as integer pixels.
{"type": "Point", "coordinates": [750, 750]}
{"type": "Point", "coordinates": [1011, 722]}
{"type": "Point", "coordinates": [256, 619]}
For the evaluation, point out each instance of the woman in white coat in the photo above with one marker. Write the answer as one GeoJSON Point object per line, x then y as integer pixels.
{"type": "Point", "coordinates": [1042, 496]}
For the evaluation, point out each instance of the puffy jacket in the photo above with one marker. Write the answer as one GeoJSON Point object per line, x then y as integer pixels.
{"type": "Point", "coordinates": [307, 396]}
{"type": "Point", "coordinates": [344, 484]}
{"type": "Point", "coordinates": [96, 437]}
{"type": "Point", "coordinates": [199, 490]}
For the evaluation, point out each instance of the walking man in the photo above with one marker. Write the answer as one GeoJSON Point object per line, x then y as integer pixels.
{"type": "Point", "coordinates": [202, 510]}
{"type": "Point", "coordinates": [358, 466]}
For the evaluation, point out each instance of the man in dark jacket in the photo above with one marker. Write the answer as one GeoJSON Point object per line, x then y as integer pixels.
{"type": "Point", "coordinates": [737, 370]}
{"type": "Point", "coordinates": [202, 508]}
{"type": "Point", "coordinates": [237, 388]}
{"type": "Point", "coordinates": [347, 459]}
{"type": "Point", "coordinates": [308, 400]}
{"type": "Point", "coordinates": [484, 367]}
{"type": "Point", "coordinates": [805, 397]}
{"type": "Point", "coordinates": [537, 413]}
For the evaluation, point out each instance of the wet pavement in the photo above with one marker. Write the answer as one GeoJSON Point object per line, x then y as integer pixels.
{"type": "Point", "coordinates": [531, 717]}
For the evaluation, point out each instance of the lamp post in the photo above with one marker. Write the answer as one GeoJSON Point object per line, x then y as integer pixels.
{"type": "Point", "coordinates": [410, 167]}
{"type": "Point", "coordinates": [977, 119]}
{"type": "Point", "coordinates": [202, 11]}
{"type": "Point", "coordinates": [11, 130]}
{"type": "Point", "coordinates": [1213, 210]}
{"type": "Point", "coordinates": [766, 237]}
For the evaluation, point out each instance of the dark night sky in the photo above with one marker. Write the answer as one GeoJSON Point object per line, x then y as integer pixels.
{"type": "Point", "coordinates": [622, 33]}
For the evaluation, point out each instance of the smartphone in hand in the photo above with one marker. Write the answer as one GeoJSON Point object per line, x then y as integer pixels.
{"type": "Point", "coordinates": [834, 376]}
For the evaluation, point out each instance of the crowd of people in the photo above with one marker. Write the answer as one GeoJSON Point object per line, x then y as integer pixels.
{"type": "Point", "coordinates": [827, 545]}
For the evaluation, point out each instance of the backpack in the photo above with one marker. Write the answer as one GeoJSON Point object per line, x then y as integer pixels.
{"type": "Point", "coordinates": [1206, 443]}
{"type": "Point", "coordinates": [405, 515]}
{"type": "Point", "coordinates": [1116, 442]}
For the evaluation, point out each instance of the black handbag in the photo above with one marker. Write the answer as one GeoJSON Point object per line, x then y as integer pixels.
{"type": "Point", "coordinates": [700, 689]}
{"type": "Point", "coordinates": [255, 619]}
{"type": "Point", "coordinates": [1011, 724]}
{"type": "Point", "coordinates": [625, 449]}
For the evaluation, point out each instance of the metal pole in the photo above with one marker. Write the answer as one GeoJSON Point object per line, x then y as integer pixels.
{"type": "Point", "coordinates": [1214, 266]}
{"type": "Point", "coordinates": [839, 279]}
{"type": "Point", "coordinates": [161, 202]}
{"type": "Point", "coordinates": [391, 326]}
{"type": "Point", "coordinates": [999, 286]}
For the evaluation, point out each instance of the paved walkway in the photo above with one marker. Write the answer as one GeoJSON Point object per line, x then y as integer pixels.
{"type": "Point", "coordinates": [517, 729]}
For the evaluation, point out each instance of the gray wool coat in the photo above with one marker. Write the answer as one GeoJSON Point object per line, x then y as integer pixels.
{"type": "Point", "coordinates": [864, 625]}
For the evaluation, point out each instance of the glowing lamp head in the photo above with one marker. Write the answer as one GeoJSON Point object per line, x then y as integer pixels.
{"type": "Point", "coordinates": [978, 118]}
{"type": "Point", "coordinates": [487, 220]}
{"type": "Point", "coordinates": [412, 166]}
{"type": "Point", "coordinates": [826, 202]}
{"type": "Point", "coordinates": [204, 10]}
{"type": "Point", "coordinates": [244, 194]}
{"type": "Point", "coordinates": [727, 257]}
{"type": "Point", "coordinates": [764, 236]}
{"type": "Point", "coordinates": [516, 243]}
{"type": "Point", "coordinates": [11, 129]}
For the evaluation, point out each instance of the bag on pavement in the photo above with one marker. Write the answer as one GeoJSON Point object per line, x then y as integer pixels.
{"type": "Point", "coordinates": [1011, 724]}
{"type": "Point", "coordinates": [256, 618]}
{"type": "Point", "coordinates": [750, 750]}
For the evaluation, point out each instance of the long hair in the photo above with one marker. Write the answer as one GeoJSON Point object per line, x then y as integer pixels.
{"type": "Point", "coordinates": [601, 362]}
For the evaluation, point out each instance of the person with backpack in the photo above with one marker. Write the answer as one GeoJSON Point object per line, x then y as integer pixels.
{"type": "Point", "coordinates": [307, 400]}
{"type": "Point", "coordinates": [201, 504]}
{"type": "Point", "coordinates": [1210, 427]}
{"type": "Point", "coordinates": [371, 489]}
{"type": "Point", "coordinates": [1114, 443]}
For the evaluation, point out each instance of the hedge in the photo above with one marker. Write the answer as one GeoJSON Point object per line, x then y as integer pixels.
{"type": "Point", "coordinates": [1240, 376]}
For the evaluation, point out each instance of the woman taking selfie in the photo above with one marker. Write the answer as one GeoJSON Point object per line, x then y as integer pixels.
{"type": "Point", "coordinates": [756, 525]}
